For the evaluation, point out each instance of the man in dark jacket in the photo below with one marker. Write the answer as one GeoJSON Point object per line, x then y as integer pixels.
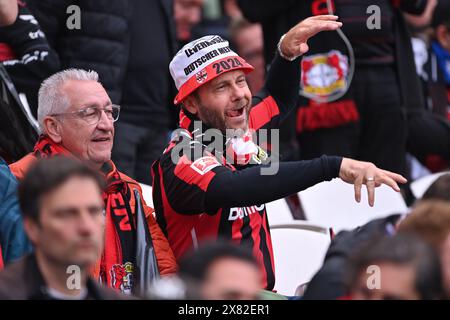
{"type": "Point", "coordinates": [63, 210]}
{"type": "Point", "coordinates": [129, 44]}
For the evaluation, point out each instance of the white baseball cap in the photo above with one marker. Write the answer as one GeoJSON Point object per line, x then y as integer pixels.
{"type": "Point", "coordinates": [202, 60]}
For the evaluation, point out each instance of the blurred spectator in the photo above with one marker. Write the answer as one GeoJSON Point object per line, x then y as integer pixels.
{"type": "Point", "coordinates": [187, 14]}
{"type": "Point", "coordinates": [231, 8]}
{"type": "Point", "coordinates": [216, 18]}
{"type": "Point", "coordinates": [423, 20]}
{"type": "Point", "coordinates": [221, 271]}
{"type": "Point", "coordinates": [63, 212]}
{"type": "Point", "coordinates": [77, 120]}
{"type": "Point", "coordinates": [329, 282]}
{"type": "Point", "coordinates": [369, 121]}
{"type": "Point", "coordinates": [430, 221]}
{"type": "Point", "coordinates": [101, 43]}
{"type": "Point", "coordinates": [248, 39]}
{"type": "Point", "coordinates": [429, 128]}
{"type": "Point", "coordinates": [129, 43]}
{"type": "Point", "coordinates": [396, 268]}
{"type": "Point", "coordinates": [18, 127]}
{"type": "Point", "coordinates": [24, 50]}
{"type": "Point", "coordinates": [438, 69]}
{"type": "Point", "coordinates": [13, 241]}
{"type": "Point", "coordinates": [25, 60]}
{"type": "Point", "coordinates": [8, 12]}
{"type": "Point", "coordinates": [147, 92]}
{"type": "Point", "coordinates": [439, 189]}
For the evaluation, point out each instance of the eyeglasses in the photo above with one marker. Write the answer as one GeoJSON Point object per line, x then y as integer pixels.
{"type": "Point", "coordinates": [92, 115]}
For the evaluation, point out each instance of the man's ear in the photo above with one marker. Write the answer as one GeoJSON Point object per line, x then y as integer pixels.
{"type": "Point", "coordinates": [31, 228]}
{"type": "Point", "coordinates": [52, 128]}
{"type": "Point", "coordinates": [191, 104]}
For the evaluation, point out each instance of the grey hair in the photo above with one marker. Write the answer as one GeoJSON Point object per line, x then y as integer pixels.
{"type": "Point", "coordinates": [51, 99]}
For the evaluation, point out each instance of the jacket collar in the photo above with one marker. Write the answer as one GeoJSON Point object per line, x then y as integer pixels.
{"type": "Point", "coordinates": [36, 288]}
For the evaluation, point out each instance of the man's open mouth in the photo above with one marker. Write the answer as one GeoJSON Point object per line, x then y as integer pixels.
{"type": "Point", "coordinates": [235, 112]}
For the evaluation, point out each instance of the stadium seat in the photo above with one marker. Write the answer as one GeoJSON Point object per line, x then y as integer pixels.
{"type": "Point", "coordinates": [147, 193]}
{"type": "Point", "coordinates": [333, 204]}
{"type": "Point", "coordinates": [278, 212]}
{"type": "Point", "coordinates": [299, 249]}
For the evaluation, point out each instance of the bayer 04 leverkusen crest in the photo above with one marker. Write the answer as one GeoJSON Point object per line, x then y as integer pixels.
{"type": "Point", "coordinates": [324, 74]}
{"type": "Point", "coordinates": [201, 76]}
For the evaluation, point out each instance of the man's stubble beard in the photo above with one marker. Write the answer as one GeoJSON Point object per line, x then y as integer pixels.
{"type": "Point", "coordinates": [216, 120]}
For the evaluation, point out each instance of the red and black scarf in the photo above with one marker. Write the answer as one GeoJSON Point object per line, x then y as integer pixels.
{"type": "Point", "coordinates": [117, 264]}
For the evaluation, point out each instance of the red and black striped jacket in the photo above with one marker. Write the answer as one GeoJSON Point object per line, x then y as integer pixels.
{"type": "Point", "coordinates": [201, 197]}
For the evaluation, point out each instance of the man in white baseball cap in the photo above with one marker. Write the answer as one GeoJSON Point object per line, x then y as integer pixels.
{"type": "Point", "coordinates": [201, 61]}
{"type": "Point", "coordinates": [200, 196]}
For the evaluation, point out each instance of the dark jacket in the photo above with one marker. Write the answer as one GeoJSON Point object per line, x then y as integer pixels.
{"type": "Point", "coordinates": [436, 88]}
{"type": "Point", "coordinates": [23, 280]}
{"type": "Point", "coordinates": [26, 55]}
{"type": "Point", "coordinates": [18, 134]}
{"type": "Point", "coordinates": [13, 241]}
{"type": "Point", "coordinates": [429, 128]}
{"type": "Point", "coordinates": [104, 43]}
{"type": "Point", "coordinates": [277, 17]}
{"type": "Point", "coordinates": [101, 44]}
{"type": "Point", "coordinates": [26, 59]}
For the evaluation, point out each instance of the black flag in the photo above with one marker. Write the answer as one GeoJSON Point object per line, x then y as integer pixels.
{"type": "Point", "coordinates": [18, 133]}
{"type": "Point", "coordinates": [147, 266]}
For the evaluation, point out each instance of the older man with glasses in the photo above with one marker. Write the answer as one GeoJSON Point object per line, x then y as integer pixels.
{"type": "Point", "coordinates": [76, 117]}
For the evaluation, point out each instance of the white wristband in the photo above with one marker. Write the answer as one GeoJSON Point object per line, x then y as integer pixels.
{"type": "Point", "coordinates": [281, 53]}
